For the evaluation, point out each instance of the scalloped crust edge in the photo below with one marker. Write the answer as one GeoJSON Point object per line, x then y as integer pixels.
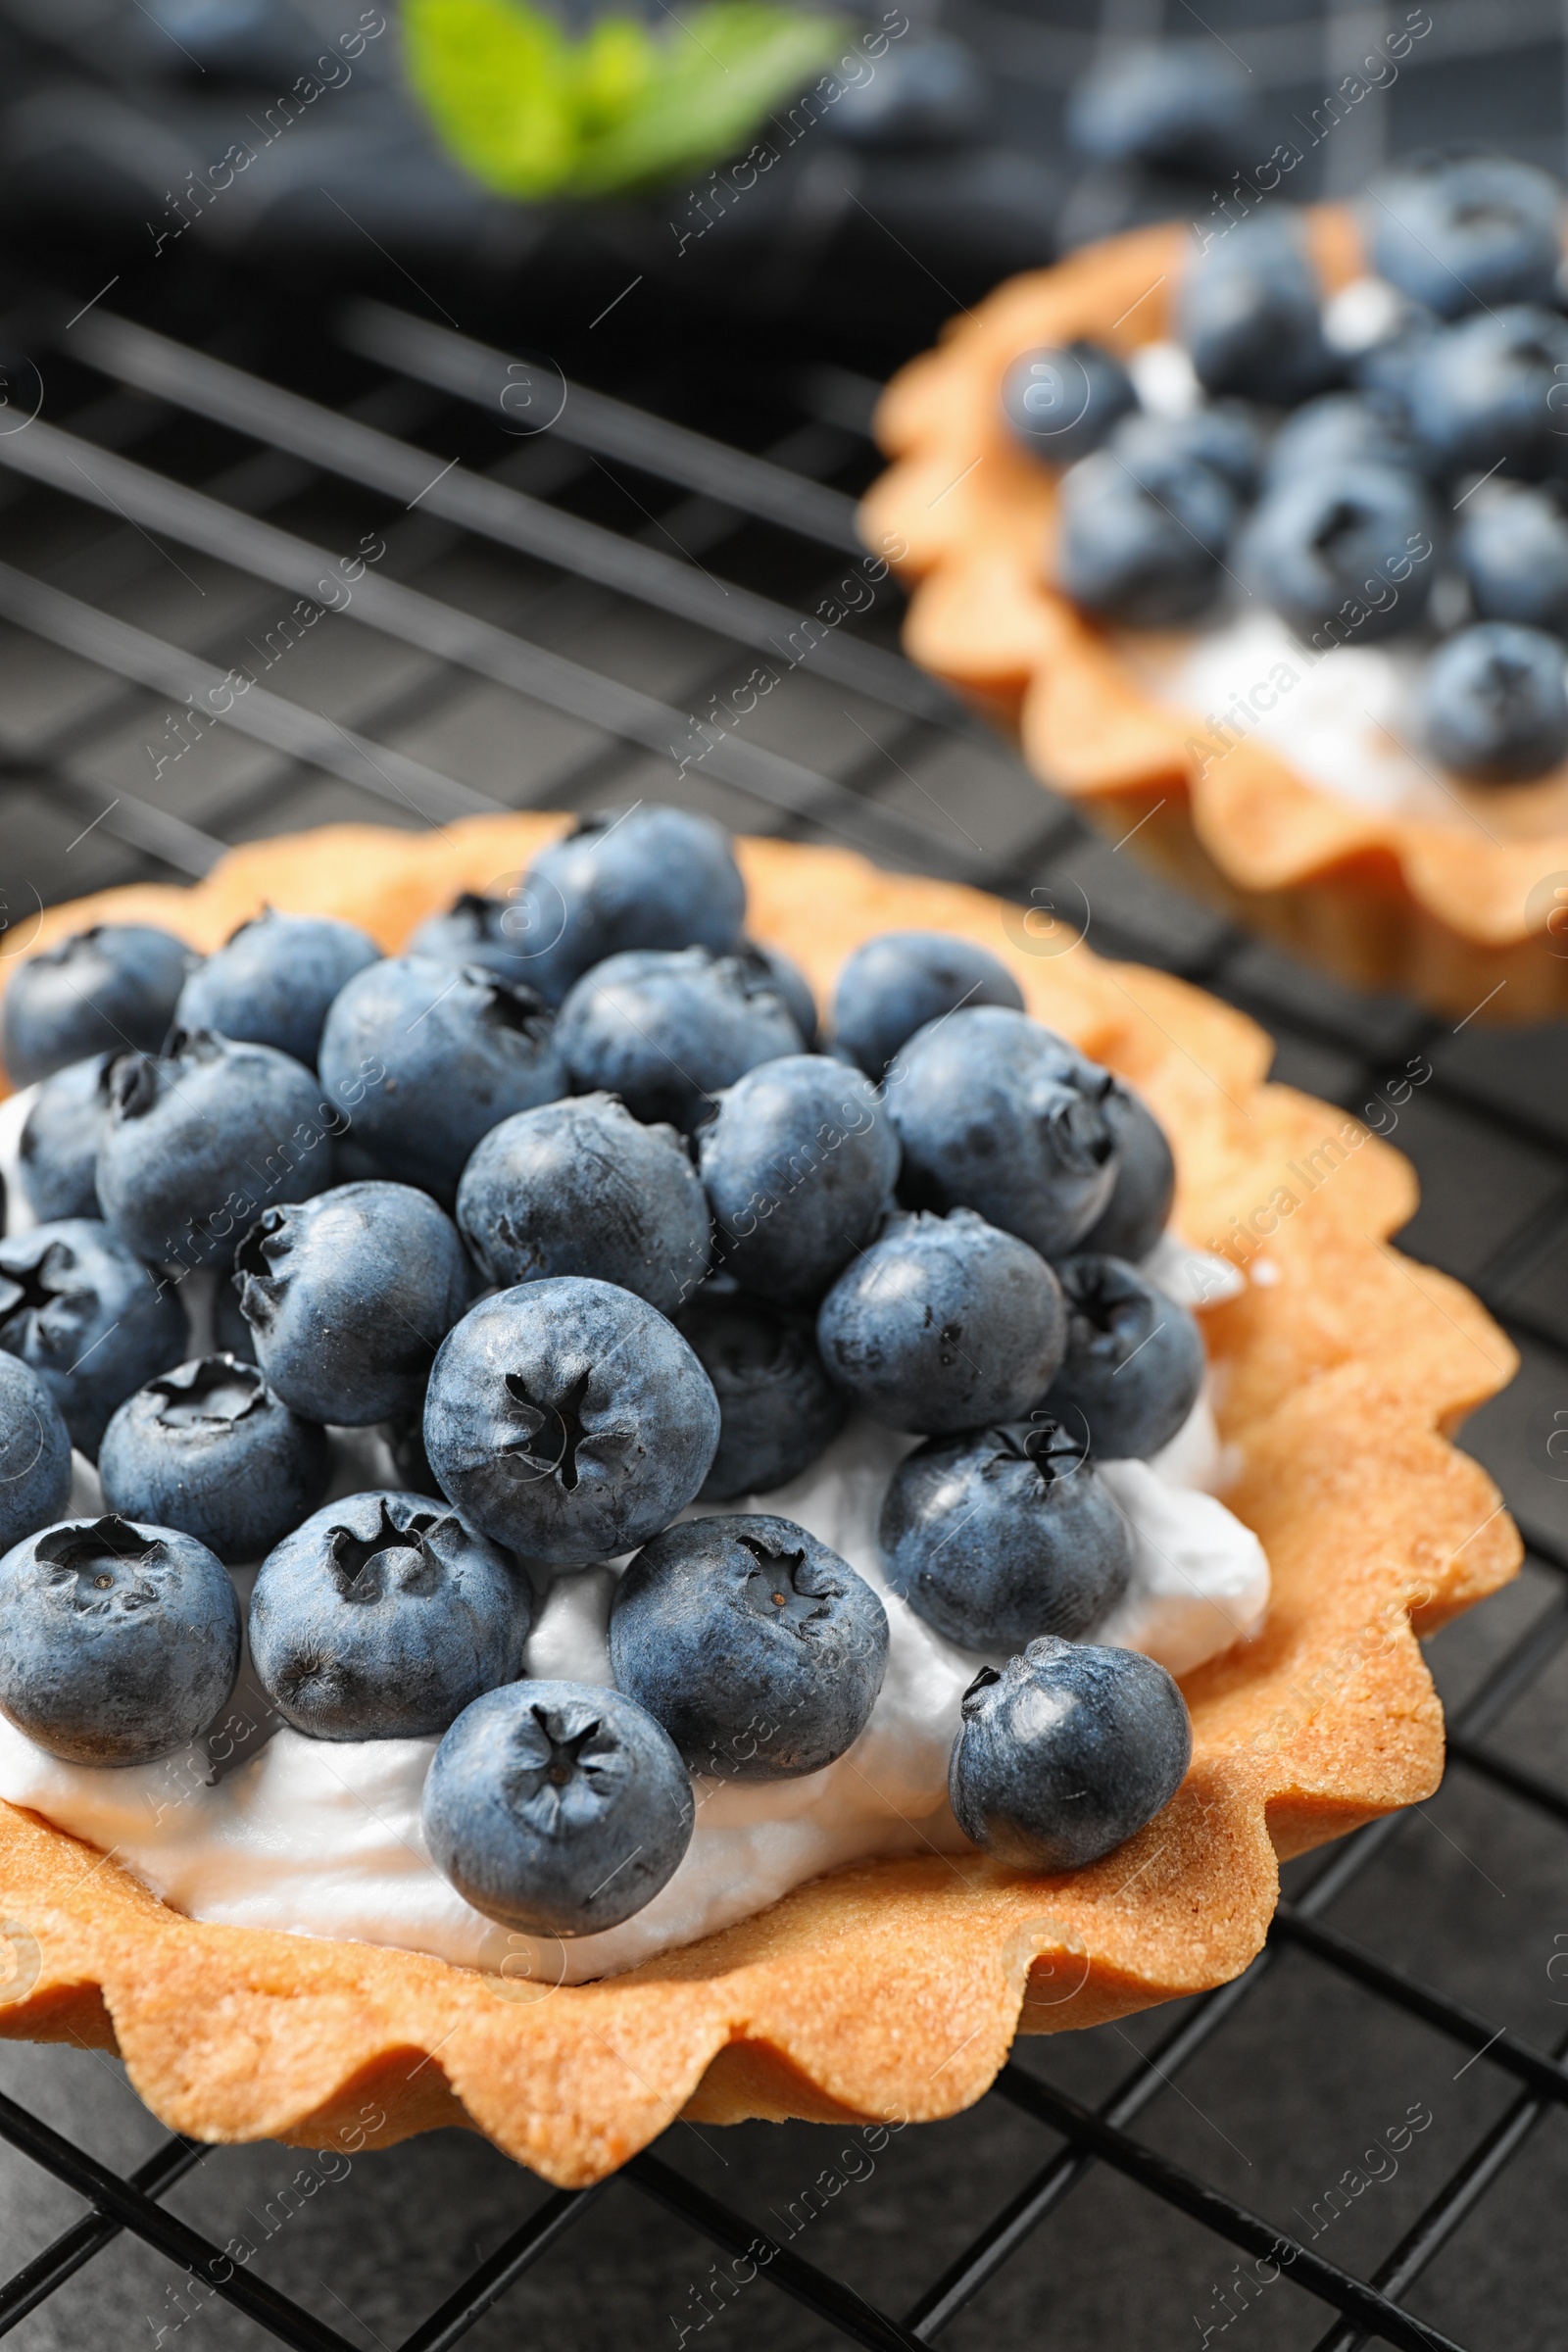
{"type": "Point", "coordinates": [889, 1991]}
{"type": "Point", "coordinates": [1444, 912]}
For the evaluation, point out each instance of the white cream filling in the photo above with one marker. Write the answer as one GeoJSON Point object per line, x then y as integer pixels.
{"type": "Point", "coordinates": [323, 1839]}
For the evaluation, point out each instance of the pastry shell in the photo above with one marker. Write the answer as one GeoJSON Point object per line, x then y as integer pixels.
{"type": "Point", "coordinates": [1448, 912]}
{"type": "Point", "coordinates": [889, 1991]}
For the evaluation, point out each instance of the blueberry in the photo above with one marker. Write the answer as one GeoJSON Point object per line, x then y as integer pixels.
{"type": "Point", "coordinates": [1139, 1209]}
{"type": "Point", "coordinates": [1466, 231]}
{"type": "Point", "coordinates": [99, 991]}
{"type": "Point", "coordinates": [997, 1113]}
{"type": "Point", "coordinates": [231, 1334]}
{"type": "Point", "coordinates": [926, 93]}
{"type": "Point", "coordinates": [1134, 1363]}
{"type": "Point", "coordinates": [515, 936]}
{"type": "Point", "coordinates": [1342, 428]}
{"type": "Point", "coordinates": [459, 1050]}
{"type": "Point", "coordinates": [348, 1297]}
{"type": "Point", "coordinates": [777, 1408]}
{"type": "Point", "coordinates": [579, 1187]}
{"type": "Point", "coordinates": [1513, 552]}
{"type": "Point", "coordinates": [666, 1030]}
{"type": "Point", "coordinates": [35, 1453]}
{"type": "Point", "coordinates": [894, 984]}
{"type": "Point", "coordinates": [57, 1165]}
{"type": "Point", "coordinates": [88, 1317]}
{"type": "Point", "coordinates": [557, 1808]}
{"type": "Point", "coordinates": [1066, 1752]}
{"type": "Point", "coordinates": [208, 1448]}
{"type": "Point", "coordinates": [1142, 546]}
{"type": "Point", "coordinates": [1248, 314]}
{"type": "Point", "coordinates": [1350, 544]}
{"type": "Point", "coordinates": [772, 966]}
{"type": "Point", "coordinates": [196, 1143]}
{"type": "Point", "coordinates": [118, 1642]}
{"type": "Point", "coordinates": [382, 1617]}
{"type": "Point", "coordinates": [760, 1650]}
{"type": "Point", "coordinates": [1487, 393]}
{"type": "Point", "coordinates": [943, 1324]}
{"type": "Point", "coordinates": [1222, 435]}
{"type": "Point", "coordinates": [1177, 106]}
{"type": "Point", "coordinates": [273, 981]}
{"type": "Point", "coordinates": [646, 877]}
{"type": "Point", "coordinates": [1061, 401]}
{"type": "Point", "coordinates": [995, 1535]}
{"type": "Point", "coordinates": [567, 1419]}
{"type": "Point", "coordinates": [799, 1164]}
{"type": "Point", "coordinates": [1493, 705]}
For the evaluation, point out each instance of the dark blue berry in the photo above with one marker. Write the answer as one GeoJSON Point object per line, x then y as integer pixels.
{"type": "Point", "coordinates": [1066, 1752]}
{"type": "Point", "coordinates": [35, 1453]}
{"type": "Point", "coordinates": [1142, 542]}
{"type": "Point", "coordinates": [760, 1650]}
{"type": "Point", "coordinates": [1248, 312]}
{"type": "Point", "coordinates": [1062, 401]}
{"type": "Point", "coordinates": [1134, 1363]}
{"type": "Point", "coordinates": [88, 1317]}
{"type": "Point", "coordinates": [1351, 545]}
{"type": "Point", "coordinates": [58, 1159]}
{"type": "Point", "coordinates": [666, 1030]}
{"type": "Point", "coordinates": [274, 980]}
{"type": "Point", "coordinates": [1342, 428]}
{"type": "Point", "coordinates": [1178, 105]}
{"type": "Point", "coordinates": [1486, 393]}
{"type": "Point", "coordinates": [798, 1163]}
{"type": "Point", "coordinates": [777, 1407]}
{"type": "Point", "coordinates": [895, 983]}
{"type": "Point", "coordinates": [208, 1448]}
{"type": "Point", "coordinates": [103, 991]}
{"type": "Point", "coordinates": [1493, 705]}
{"type": "Point", "coordinates": [1220, 436]}
{"type": "Point", "coordinates": [1513, 552]}
{"type": "Point", "coordinates": [1139, 1209]}
{"type": "Point", "coordinates": [646, 877]}
{"type": "Point", "coordinates": [1466, 231]}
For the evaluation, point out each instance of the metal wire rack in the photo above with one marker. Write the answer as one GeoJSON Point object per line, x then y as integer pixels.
{"type": "Point", "coordinates": [542, 627]}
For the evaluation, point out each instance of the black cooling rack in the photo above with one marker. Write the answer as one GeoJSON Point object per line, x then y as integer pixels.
{"type": "Point", "coordinates": [1358, 2140]}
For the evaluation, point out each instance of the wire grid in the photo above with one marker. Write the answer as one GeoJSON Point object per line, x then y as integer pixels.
{"type": "Point", "coordinates": [558, 626]}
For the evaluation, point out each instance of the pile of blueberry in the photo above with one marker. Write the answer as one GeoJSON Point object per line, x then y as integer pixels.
{"type": "Point", "coordinates": [569, 1203]}
{"type": "Point", "coordinates": [1332, 451]}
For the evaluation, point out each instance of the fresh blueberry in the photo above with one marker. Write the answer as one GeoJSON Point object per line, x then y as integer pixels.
{"type": "Point", "coordinates": [1492, 704]}
{"type": "Point", "coordinates": [1342, 429]}
{"type": "Point", "coordinates": [348, 1297]}
{"type": "Point", "coordinates": [457, 1050]}
{"type": "Point", "coordinates": [1351, 544]}
{"type": "Point", "coordinates": [118, 1642]}
{"type": "Point", "coordinates": [1220, 436]}
{"type": "Point", "coordinates": [999, 1115]}
{"type": "Point", "coordinates": [99, 991]}
{"type": "Point", "coordinates": [35, 1453]}
{"type": "Point", "coordinates": [1139, 1209]}
{"type": "Point", "coordinates": [515, 936]}
{"type": "Point", "coordinates": [1513, 552]}
{"type": "Point", "coordinates": [645, 877]}
{"type": "Point", "coordinates": [995, 1535]}
{"type": "Point", "coordinates": [196, 1143]}
{"type": "Point", "coordinates": [1176, 105]}
{"type": "Point", "coordinates": [57, 1162]}
{"type": "Point", "coordinates": [927, 92]}
{"type": "Point", "coordinates": [88, 1317]}
{"type": "Point", "coordinates": [943, 1324]}
{"type": "Point", "coordinates": [569, 1420]}
{"type": "Point", "coordinates": [777, 1408]}
{"type": "Point", "coordinates": [666, 1029]}
{"type": "Point", "coordinates": [1142, 543]}
{"type": "Point", "coordinates": [1134, 1363]}
{"type": "Point", "coordinates": [580, 1186]}
{"type": "Point", "coordinates": [209, 1449]}
{"type": "Point", "coordinates": [1488, 393]}
{"type": "Point", "coordinates": [382, 1617]}
{"type": "Point", "coordinates": [1249, 315]}
{"type": "Point", "coordinates": [1062, 403]}
{"type": "Point", "coordinates": [798, 1163]}
{"type": "Point", "coordinates": [1466, 231]}
{"type": "Point", "coordinates": [1066, 1752]}
{"type": "Point", "coordinates": [557, 1808]}
{"type": "Point", "coordinates": [273, 981]}
{"type": "Point", "coordinates": [895, 983]}
{"type": "Point", "coordinates": [760, 1650]}
{"type": "Point", "coordinates": [772, 966]}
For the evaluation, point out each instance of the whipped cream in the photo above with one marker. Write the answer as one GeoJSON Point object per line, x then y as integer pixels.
{"type": "Point", "coordinates": [259, 1827]}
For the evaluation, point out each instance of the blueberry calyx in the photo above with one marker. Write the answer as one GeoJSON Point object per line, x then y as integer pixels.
{"type": "Point", "coordinates": [133, 1085]}
{"type": "Point", "coordinates": [774, 1589]}
{"type": "Point", "coordinates": [1050, 1449]}
{"type": "Point", "coordinates": [1078, 1129]}
{"type": "Point", "coordinates": [364, 1567]}
{"type": "Point", "coordinates": [552, 1444]}
{"type": "Point", "coordinates": [511, 1004]}
{"type": "Point", "coordinates": [536, 1786]}
{"type": "Point", "coordinates": [216, 1390]}
{"type": "Point", "coordinates": [27, 1290]}
{"type": "Point", "coordinates": [982, 1682]}
{"type": "Point", "coordinates": [91, 1557]}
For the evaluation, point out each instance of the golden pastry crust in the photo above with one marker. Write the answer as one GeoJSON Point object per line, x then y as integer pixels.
{"type": "Point", "coordinates": [1389, 900]}
{"type": "Point", "coordinates": [891, 1989]}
